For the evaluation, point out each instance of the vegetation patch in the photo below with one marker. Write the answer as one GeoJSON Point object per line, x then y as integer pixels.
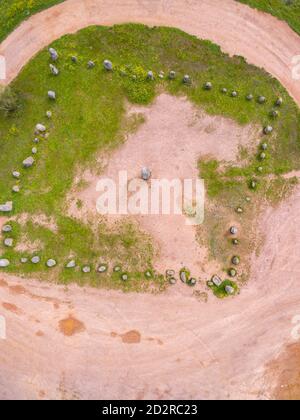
{"type": "Point", "coordinates": [222, 290]}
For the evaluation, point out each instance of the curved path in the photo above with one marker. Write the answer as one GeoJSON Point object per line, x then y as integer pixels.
{"type": "Point", "coordinates": [172, 345]}
{"type": "Point", "coordinates": [260, 38]}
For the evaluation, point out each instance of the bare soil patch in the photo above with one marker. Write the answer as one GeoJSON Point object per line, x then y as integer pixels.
{"type": "Point", "coordinates": [11, 307]}
{"type": "Point", "coordinates": [71, 326]}
{"type": "Point", "coordinates": [285, 372]}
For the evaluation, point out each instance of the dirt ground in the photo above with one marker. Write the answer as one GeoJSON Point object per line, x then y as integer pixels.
{"type": "Point", "coordinates": [72, 343]}
{"type": "Point", "coordinates": [165, 346]}
{"type": "Point", "coordinates": [171, 144]}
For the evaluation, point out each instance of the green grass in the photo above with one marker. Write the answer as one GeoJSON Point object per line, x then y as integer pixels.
{"type": "Point", "coordinates": [288, 10]}
{"type": "Point", "coordinates": [13, 12]}
{"type": "Point", "coordinates": [88, 116]}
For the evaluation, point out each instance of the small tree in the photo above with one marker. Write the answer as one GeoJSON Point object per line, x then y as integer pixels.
{"type": "Point", "coordinates": [9, 101]}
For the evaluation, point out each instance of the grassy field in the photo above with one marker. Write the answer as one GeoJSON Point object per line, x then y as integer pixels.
{"type": "Point", "coordinates": [288, 10]}
{"type": "Point", "coordinates": [13, 12]}
{"type": "Point", "coordinates": [88, 117]}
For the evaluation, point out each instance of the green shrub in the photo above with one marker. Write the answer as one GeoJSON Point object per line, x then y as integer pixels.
{"type": "Point", "coordinates": [9, 101]}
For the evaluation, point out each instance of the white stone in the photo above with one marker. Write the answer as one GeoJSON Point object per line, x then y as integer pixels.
{"type": "Point", "coordinates": [7, 207]}
{"type": "Point", "coordinates": [40, 127]}
{"type": "Point", "coordinates": [4, 262]}
{"type": "Point", "coordinates": [28, 162]}
{"type": "Point", "coordinates": [71, 264]}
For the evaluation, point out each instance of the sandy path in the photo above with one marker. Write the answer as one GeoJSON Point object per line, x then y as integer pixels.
{"type": "Point", "coordinates": [260, 38]}
{"type": "Point", "coordinates": [177, 348]}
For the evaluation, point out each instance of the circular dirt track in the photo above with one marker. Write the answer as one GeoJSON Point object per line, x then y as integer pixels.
{"type": "Point", "coordinates": [67, 343]}
{"type": "Point", "coordinates": [260, 38]}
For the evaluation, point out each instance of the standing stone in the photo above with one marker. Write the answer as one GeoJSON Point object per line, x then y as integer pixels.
{"type": "Point", "coordinates": [172, 75]}
{"type": "Point", "coordinates": [216, 281]}
{"type": "Point", "coordinates": [170, 273]}
{"type": "Point", "coordinates": [117, 269]}
{"type": "Point", "coordinates": [229, 290]}
{"type": "Point", "coordinates": [91, 64]}
{"type": "Point", "coordinates": [8, 242]}
{"type": "Point", "coordinates": [54, 70]}
{"type": "Point", "coordinates": [262, 156]}
{"type": "Point", "coordinates": [74, 59]}
{"type": "Point", "coordinates": [4, 263]}
{"type": "Point", "coordinates": [28, 162]}
{"type": "Point", "coordinates": [268, 129]}
{"type": "Point", "coordinates": [183, 276]}
{"type": "Point", "coordinates": [51, 263]}
{"type": "Point", "coordinates": [86, 269]}
{"type": "Point", "coordinates": [102, 268]}
{"type": "Point", "coordinates": [7, 207]}
{"type": "Point", "coordinates": [208, 86]}
{"type": "Point", "coordinates": [49, 114]}
{"type": "Point", "coordinates": [124, 277]}
{"type": "Point", "coordinates": [187, 79]}
{"type": "Point", "coordinates": [16, 189]}
{"type": "Point", "coordinates": [224, 90]}
{"type": "Point", "coordinates": [150, 75]}
{"type": "Point", "coordinates": [274, 113]}
{"type": "Point", "coordinates": [53, 54]}
{"type": "Point", "coordinates": [233, 230]}
{"type": "Point", "coordinates": [249, 97]}
{"type": "Point", "coordinates": [279, 102]}
{"type": "Point", "coordinates": [261, 99]}
{"type": "Point", "coordinates": [71, 264]}
{"type": "Point", "coordinates": [192, 282]}
{"type": "Point", "coordinates": [51, 95]}
{"type": "Point", "coordinates": [40, 128]}
{"type": "Point", "coordinates": [172, 280]}
{"type": "Point", "coordinates": [232, 272]}
{"type": "Point", "coordinates": [16, 174]}
{"type": "Point", "coordinates": [235, 260]}
{"type": "Point", "coordinates": [6, 229]}
{"type": "Point", "coordinates": [34, 150]}
{"type": "Point", "coordinates": [264, 146]}
{"type": "Point", "coordinates": [108, 65]}
{"type": "Point", "coordinates": [234, 94]}
{"type": "Point", "coordinates": [24, 260]}
{"type": "Point", "coordinates": [35, 260]}
{"type": "Point", "coordinates": [145, 174]}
